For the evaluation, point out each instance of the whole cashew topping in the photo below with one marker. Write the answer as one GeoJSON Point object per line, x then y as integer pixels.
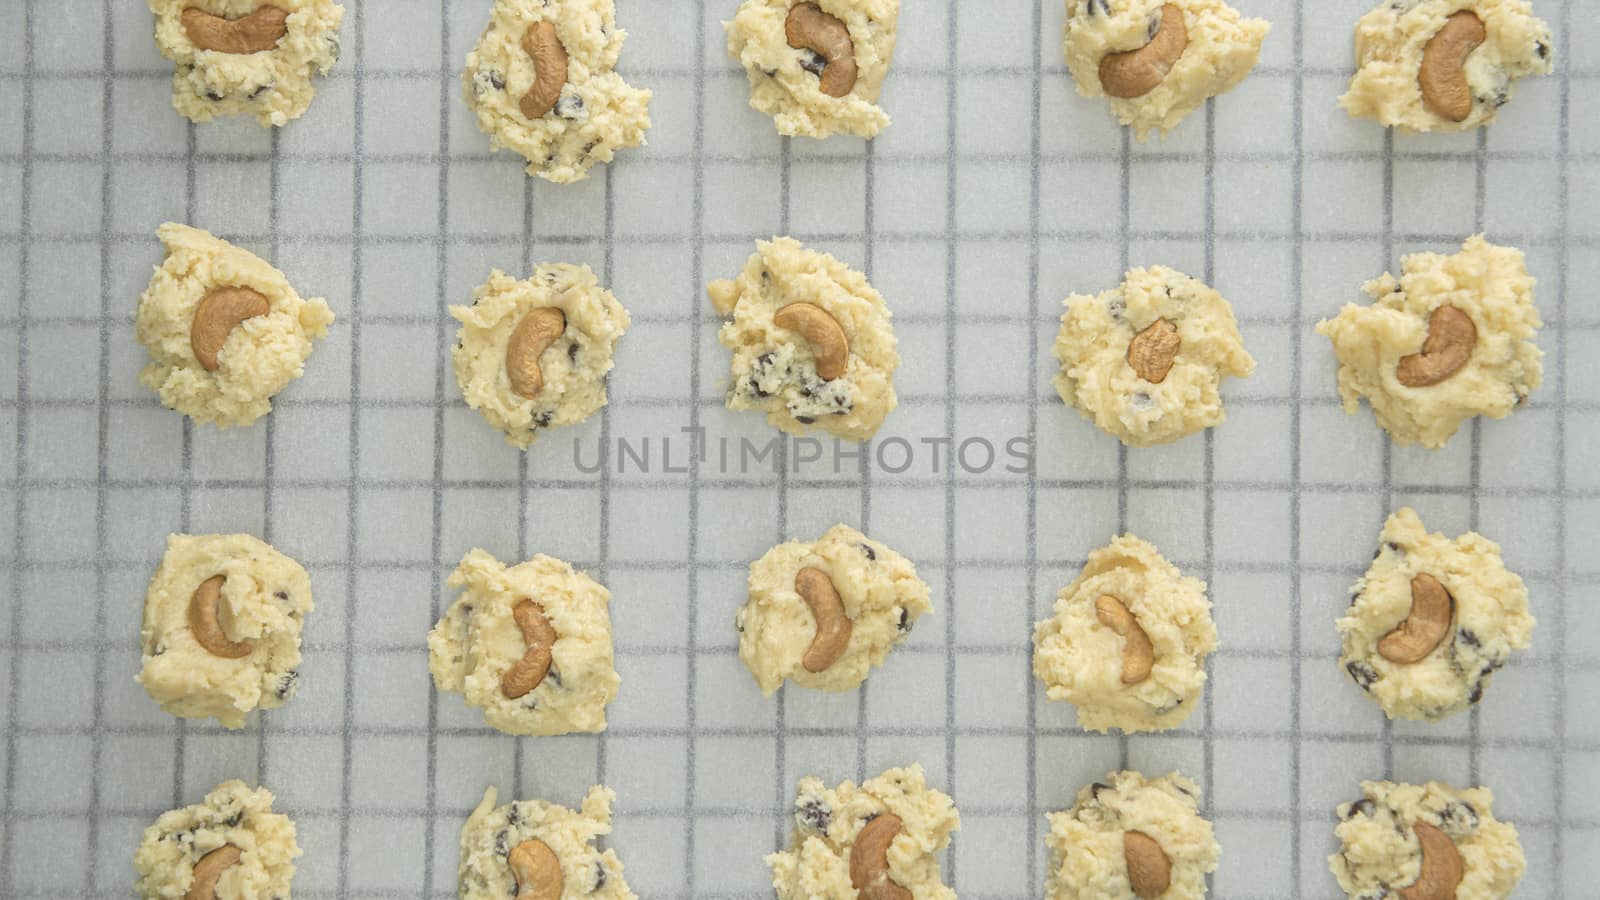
{"type": "Point", "coordinates": [261, 30]}
{"type": "Point", "coordinates": [203, 621]}
{"type": "Point", "coordinates": [542, 43]}
{"type": "Point", "coordinates": [1442, 77]}
{"type": "Point", "coordinates": [833, 626]}
{"type": "Point", "coordinates": [1442, 869]}
{"type": "Point", "coordinates": [533, 335]}
{"type": "Point", "coordinates": [822, 332]}
{"type": "Point", "coordinates": [210, 868]}
{"type": "Point", "coordinates": [1149, 869]}
{"type": "Point", "coordinates": [217, 315]}
{"type": "Point", "coordinates": [1451, 339]}
{"type": "Point", "coordinates": [1153, 351]}
{"type": "Point", "coordinates": [1432, 609]}
{"type": "Point", "coordinates": [1138, 654]}
{"type": "Point", "coordinates": [539, 636]}
{"type": "Point", "coordinates": [809, 28]}
{"type": "Point", "coordinates": [537, 870]}
{"type": "Point", "coordinates": [1138, 72]}
{"type": "Point", "coordinates": [869, 860]}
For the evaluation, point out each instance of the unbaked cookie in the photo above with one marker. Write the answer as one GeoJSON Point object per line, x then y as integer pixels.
{"type": "Point", "coordinates": [1425, 841]}
{"type": "Point", "coordinates": [1444, 65]}
{"type": "Point", "coordinates": [1159, 60]}
{"type": "Point", "coordinates": [1432, 620]}
{"type": "Point", "coordinates": [823, 614]}
{"type": "Point", "coordinates": [1130, 837]}
{"type": "Point", "coordinates": [232, 843]}
{"type": "Point", "coordinates": [541, 83]}
{"type": "Point", "coordinates": [876, 840]}
{"type": "Point", "coordinates": [816, 67]}
{"type": "Point", "coordinates": [249, 57]}
{"type": "Point", "coordinates": [534, 849]}
{"type": "Point", "coordinates": [1128, 642]}
{"type": "Point", "coordinates": [528, 644]}
{"type": "Point", "coordinates": [1452, 338]}
{"type": "Point", "coordinates": [534, 354]}
{"type": "Point", "coordinates": [1146, 360]}
{"type": "Point", "coordinates": [222, 620]}
{"type": "Point", "coordinates": [225, 330]}
{"type": "Point", "coordinates": [811, 339]}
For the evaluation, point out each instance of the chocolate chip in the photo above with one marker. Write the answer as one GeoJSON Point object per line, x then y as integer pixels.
{"type": "Point", "coordinates": [502, 844]}
{"type": "Point", "coordinates": [1477, 694]}
{"type": "Point", "coordinates": [283, 596]}
{"type": "Point", "coordinates": [498, 80]}
{"type": "Point", "coordinates": [1096, 789]}
{"type": "Point", "coordinates": [570, 106]}
{"type": "Point", "coordinates": [814, 814]}
{"type": "Point", "coordinates": [599, 878]}
{"type": "Point", "coordinates": [1468, 637]}
{"type": "Point", "coordinates": [1543, 49]}
{"type": "Point", "coordinates": [258, 92]}
{"type": "Point", "coordinates": [543, 419]}
{"type": "Point", "coordinates": [1102, 7]}
{"type": "Point", "coordinates": [869, 552]}
{"type": "Point", "coordinates": [554, 676]}
{"type": "Point", "coordinates": [1363, 673]}
{"type": "Point", "coordinates": [572, 351]}
{"type": "Point", "coordinates": [513, 814]}
{"type": "Point", "coordinates": [214, 97]}
{"type": "Point", "coordinates": [905, 621]}
{"type": "Point", "coordinates": [1459, 817]}
{"type": "Point", "coordinates": [813, 62]}
{"type": "Point", "coordinates": [805, 420]}
{"type": "Point", "coordinates": [1362, 807]}
{"type": "Point", "coordinates": [287, 683]}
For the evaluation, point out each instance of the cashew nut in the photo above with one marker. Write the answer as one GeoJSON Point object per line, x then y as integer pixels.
{"type": "Point", "coordinates": [261, 30]}
{"type": "Point", "coordinates": [869, 860]}
{"type": "Point", "coordinates": [1451, 339]}
{"type": "Point", "coordinates": [537, 870]}
{"type": "Point", "coordinates": [533, 335]}
{"type": "Point", "coordinates": [1149, 869]}
{"type": "Point", "coordinates": [822, 332]}
{"type": "Point", "coordinates": [809, 28]}
{"type": "Point", "coordinates": [1138, 72]}
{"type": "Point", "coordinates": [217, 315]}
{"type": "Point", "coordinates": [1442, 870]}
{"type": "Point", "coordinates": [542, 43]}
{"type": "Point", "coordinates": [1443, 77]}
{"type": "Point", "coordinates": [833, 626]}
{"type": "Point", "coordinates": [1432, 609]}
{"type": "Point", "coordinates": [209, 869]}
{"type": "Point", "coordinates": [1138, 654]}
{"type": "Point", "coordinates": [539, 635]}
{"type": "Point", "coordinates": [203, 621]}
{"type": "Point", "coordinates": [1152, 351]}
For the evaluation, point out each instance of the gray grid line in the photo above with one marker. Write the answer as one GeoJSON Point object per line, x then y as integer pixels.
{"type": "Point", "coordinates": [1296, 293]}
{"type": "Point", "coordinates": [1564, 218]}
{"type": "Point", "coordinates": [697, 276]}
{"type": "Point", "coordinates": [952, 224]}
{"type": "Point", "coordinates": [1035, 868]}
{"type": "Point", "coordinates": [1388, 264]}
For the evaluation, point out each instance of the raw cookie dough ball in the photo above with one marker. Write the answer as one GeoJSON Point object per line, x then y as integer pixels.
{"type": "Point", "coordinates": [1145, 361]}
{"type": "Point", "coordinates": [222, 620]}
{"type": "Point", "coordinates": [529, 843]}
{"type": "Point", "coordinates": [528, 644]}
{"type": "Point", "coordinates": [1128, 642]}
{"type": "Point", "coordinates": [811, 339]}
{"type": "Point", "coordinates": [1197, 49]}
{"type": "Point", "coordinates": [252, 57]}
{"type": "Point", "coordinates": [848, 838]}
{"type": "Point", "coordinates": [816, 67]}
{"type": "Point", "coordinates": [1397, 835]}
{"type": "Point", "coordinates": [1452, 338]}
{"type": "Point", "coordinates": [823, 614]}
{"type": "Point", "coordinates": [233, 841]}
{"type": "Point", "coordinates": [534, 354]}
{"type": "Point", "coordinates": [1479, 48]}
{"type": "Point", "coordinates": [1432, 620]}
{"type": "Point", "coordinates": [541, 83]}
{"type": "Point", "coordinates": [225, 330]}
{"type": "Point", "coordinates": [1130, 837]}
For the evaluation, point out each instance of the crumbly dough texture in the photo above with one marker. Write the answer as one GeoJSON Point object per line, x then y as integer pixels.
{"type": "Point", "coordinates": [477, 640]}
{"type": "Point", "coordinates": [492, 832]}
{"type": "Point", "coordinates": [775, 370]}
{"type": "Point", "coordinates": [264, 600]}
{"type": "Point", "coordinates": [272, 85]}
{"type": "Point", "coordinates": [1223, 48]}
{"type": "Point", "coordinates": [597, 114]}
{"type": "Point", "coordinates": [1380, 854]}
{"type": "Point", "coordinates": [1389, 45]}
{"type": "Point", "coordinates": [880, 591]}
{"type": "Point", "coordinates": [1491, 620]}
{"type": "Point", "coordinates": [574, 367]}
{"type": "Point", "coordinates": [1080, 660]}
{"type": "Point", "coordinates": [1097, 379]}
{"type": "Point", "coordinates": [1491, 285]}
{"type": "Point", "coordinates": [262, 354]}
{"type": "Point", "coordinates": [785, 81]}
{"type": "Point", "coordinates": [1087, 861]}
{"type": "Point", "coordinates": [816, 864]}
{"type": "Point", "coordinates": [231, 814]}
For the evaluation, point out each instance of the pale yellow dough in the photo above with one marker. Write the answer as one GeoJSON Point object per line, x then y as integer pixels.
{"type": "Point", "coordinates": [265, 598]}
{"type": "Point", "coordinates": [477, 640]}
{"type": "Point", "coordinates": [492, 832]}
{"type": "Point", "coordinates": [1492, 286]}
{"type": "Point", "coordinates": [1087, 861]}
{"type": "Point", "coordinates": [574, 367]}
{"type": "Point", "coordinates": [231, 814]}
{"type": "Point", "coordinates": [597, 114]}
{"type": "Point", "coordinates": [1389, 47]}
{"type": "Point", "coordinates": [272, 85]}
{"type": "Point", "coordinates": [1380, 854]}
{"type": "Point", "coordinates": [1223, 48]}
{"type": "Point", "coordinates": [816, 864]}
{"type": "Point", "coordinates": [1080, 660]}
